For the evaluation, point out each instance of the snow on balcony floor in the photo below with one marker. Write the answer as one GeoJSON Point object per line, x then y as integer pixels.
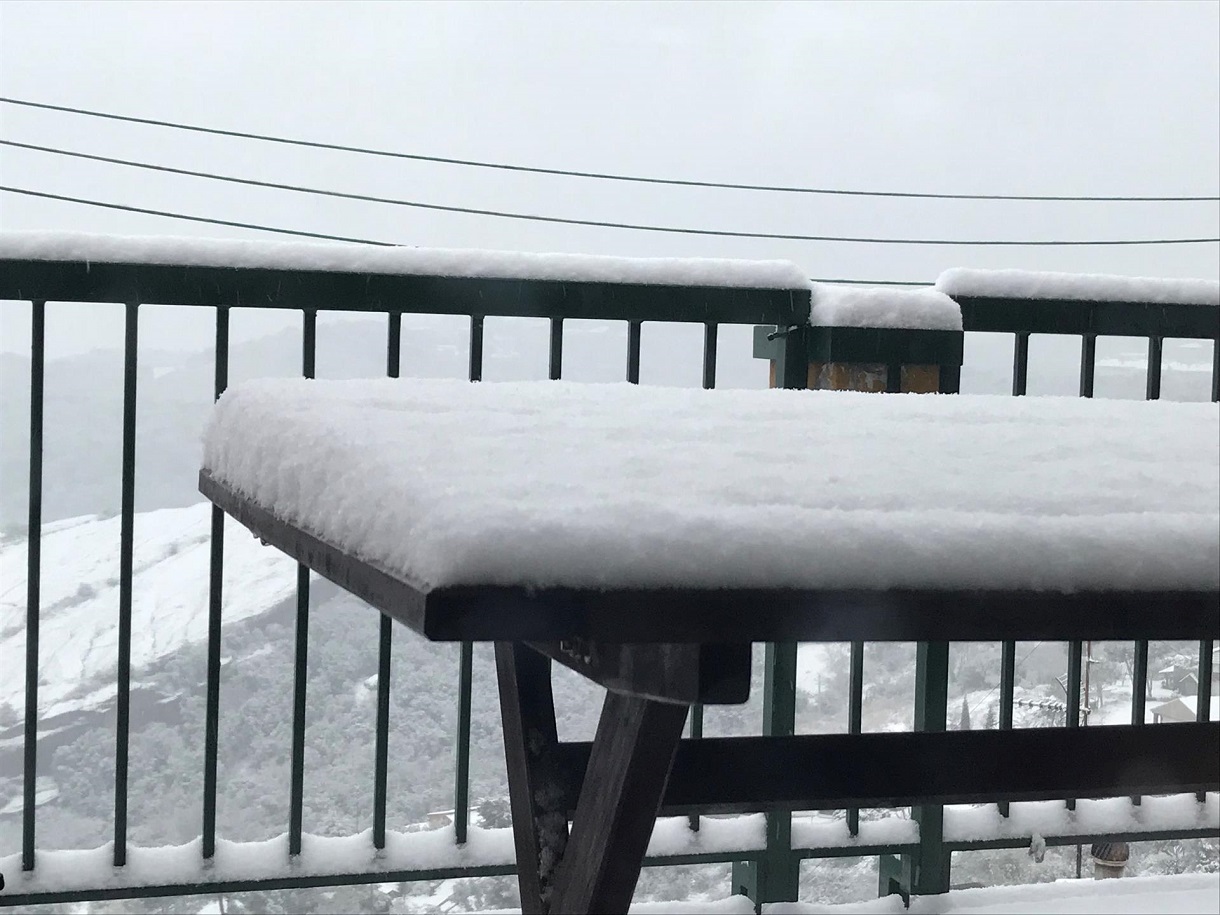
{"type": "Point", "coordinates": [599, 486]}
{"type": "Point", "coordinates": [1184, 894]}
{"type": "Point", "coordinates": [1187, 894]}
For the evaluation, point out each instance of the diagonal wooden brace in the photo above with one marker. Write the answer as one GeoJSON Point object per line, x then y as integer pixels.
{"type": "Point", "coordinates": [629, 766]}
{"type": "Point", "coordinates": [535, 782]}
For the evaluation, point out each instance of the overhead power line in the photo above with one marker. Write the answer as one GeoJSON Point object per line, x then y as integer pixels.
{"type": "Point", "coordinates": [215, 222]}
{"type": "Point", "coordinates": [321, 235]}
{"type": "Point", "coordinates": [604, 176]}
{"type": "Point", "coordinates": [605, 224]}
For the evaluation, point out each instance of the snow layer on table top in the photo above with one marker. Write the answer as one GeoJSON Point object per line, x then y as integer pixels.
{"type": "Point", "coordinates": [855, 306]}
{"type": "Point", "coordinates": [1087, 287]}
{"type": "Point", "coordinates": [603, 486]}
{"type": "Point", "coordinates": [1179, 894]}
{"type": "Point", "coordinates": [357, 258]}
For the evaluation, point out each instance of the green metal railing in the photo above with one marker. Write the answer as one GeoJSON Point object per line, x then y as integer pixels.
{"type": "Point", "coordinates": [768, 874]}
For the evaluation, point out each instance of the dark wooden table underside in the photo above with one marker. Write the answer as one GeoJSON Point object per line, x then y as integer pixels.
{"type": "Point", "coordinates": [658, 651]}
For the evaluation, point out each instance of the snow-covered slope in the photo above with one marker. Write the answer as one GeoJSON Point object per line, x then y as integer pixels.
{"type": "Point", "coordinates": [80, 599]}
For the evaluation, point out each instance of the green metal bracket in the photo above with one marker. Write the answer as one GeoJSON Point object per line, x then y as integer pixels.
{"type": "Point", "coordinates": [894, 877]}
{"type": "Point", "coordinates": [929, 868]}
{"type": "Point", "coordinates": [775, 876]}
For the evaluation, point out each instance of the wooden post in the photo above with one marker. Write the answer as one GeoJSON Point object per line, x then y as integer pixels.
{"type": "Point", "coordinates": [536, 797]}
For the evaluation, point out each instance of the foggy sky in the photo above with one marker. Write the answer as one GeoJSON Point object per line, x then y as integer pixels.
{"type": "Point", "coordinates": [1055, 98]}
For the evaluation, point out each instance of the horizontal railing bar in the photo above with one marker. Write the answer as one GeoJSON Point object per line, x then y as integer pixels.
{"type": "Point", "coordinates": [315, 881]}
{"type": "Point", "coordinates": [1087, 838]}
{"type": "Point", "coordinates": [501, 870]}
{"type": "Point", "coordinates": [251, 287]}
{"type": "Point", "coordinates": [1077, 318]}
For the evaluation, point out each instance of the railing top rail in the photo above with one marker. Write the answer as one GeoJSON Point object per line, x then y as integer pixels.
{"type": "Point", "coordinates": [169, 271]}
{"type": "Point", "coordinates": [252, 287]}
{"type": "Point", "coordinates": [1080, 318]}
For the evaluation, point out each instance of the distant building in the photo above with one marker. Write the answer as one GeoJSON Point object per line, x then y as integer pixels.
{"type": "Point", "coordinates": [1183, 709]}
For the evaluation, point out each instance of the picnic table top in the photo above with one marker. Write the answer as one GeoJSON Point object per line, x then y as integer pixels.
{"type": "Point", "coordinates": [552, 510]}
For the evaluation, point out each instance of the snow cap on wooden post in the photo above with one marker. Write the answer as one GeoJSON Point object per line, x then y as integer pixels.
{"type": "Point", "coordinates": [878, 339]}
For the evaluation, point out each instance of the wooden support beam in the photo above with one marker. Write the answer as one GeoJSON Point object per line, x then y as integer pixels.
{"type": "Point", "coordinates": [627, 772]}
{"type": "Point", "coordinates": [834, 771]}
{"type": "Point", "coordinates": [536, 783]}
{"type": "Point", "coordinates": [665, 672]}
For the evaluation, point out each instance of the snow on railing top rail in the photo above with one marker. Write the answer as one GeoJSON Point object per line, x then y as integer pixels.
{"type": "Point", "coordinates": [358, 258]}
{"type": "Point", "coordinates": [1082, 287]}
{"type": "Point", "coordinates": [922, 308]}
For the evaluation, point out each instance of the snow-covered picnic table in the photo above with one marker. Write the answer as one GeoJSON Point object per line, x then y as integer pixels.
{"type": "Point", "coordinates": [646, 537]}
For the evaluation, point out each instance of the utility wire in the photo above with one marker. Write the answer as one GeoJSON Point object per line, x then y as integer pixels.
{"type": "Point", "coordinates": [604, 176]}
{"type": "Point", "coordinates": [360, 241]}
{"type": "Point", "coordinates": [559, 220]}
{"type": "Point", "coordinates": [215, 222]}
{"type": "Point", "coordinates": [1015, 665]}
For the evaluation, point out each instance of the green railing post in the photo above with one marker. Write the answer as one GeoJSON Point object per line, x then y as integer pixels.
{"type": "Point", "coordinates": [775, 876]}
{"type": "Point", "coordinates": [928, 871]}
{"type": "Point", "coordinates": [461, 764]}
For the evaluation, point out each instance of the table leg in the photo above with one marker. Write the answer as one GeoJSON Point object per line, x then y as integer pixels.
{"type": "Point", "coordinates": [536, 795]}
{"type": "Point", "coordinates": [629, 766]}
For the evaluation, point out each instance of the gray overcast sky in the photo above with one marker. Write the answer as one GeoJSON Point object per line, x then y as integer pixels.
{"type": "Point", "coordinates": [1043, 98]}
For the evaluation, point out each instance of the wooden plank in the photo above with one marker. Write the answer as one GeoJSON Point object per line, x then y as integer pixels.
{"type": "Point", "coordinates": [685, 673]}
{"type": "Point", "coordinates": [736, 616]}
{"type": "Point", "coordinates": [834, 771]}
{"type": "Point", "coordinates": [767, 615]}
{"type": "Point", "coordinates": [377, 587]}
{"type": "Point", "coordinates": [536, 781]}
{"type": "Point", "coordinates": [628, 767]}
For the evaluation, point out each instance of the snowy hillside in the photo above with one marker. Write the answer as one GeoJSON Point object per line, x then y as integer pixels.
{"type": "Point", "coordinates": [80, 599]}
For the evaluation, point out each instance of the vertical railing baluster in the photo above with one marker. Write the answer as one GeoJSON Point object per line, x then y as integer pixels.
{"type": "Point", "coordinates": [476, 348]}
{"type": "Point", "coordinates": [775, 875]}
{"type": "Point", "coordinates": [1020, 363]}
{"type": "Point", "coordinates": [126, 550]}
{"type": "Point", "coordinates": [696, 733]}
{"type": "Point", "coordinates": [1139, 689]}
{"type": "Point", "coordinates": [1216, 370]}
{"type": "Point", "coordinates": [930, 871]}
{"type": "Point", "coordinates": [1088, 363]}
{"type": "Point", "coordinates": [33, 582]}
{"type": "Point", "coordinates": [1153, 385]}
{"type": "Point", "coordinates": [709, 381]}
{"type": "Point", "coordinates": [855, 715]}
{"type": "Point", "coordinates": [385, 638]}
{"type": "Point", "coordinates": [555, 370]}
{"type": "Point", "coordinates": [1203, 693]}
{"type": "Point", "coordinates": [211, 724]}
{"type": "Point", "coordinates": [309, 341]}
{"type": "Point", "coordinates": [1072, 691]}
{"type": "Point", "coordinates": [633, 351]}
{"type": "Point", "coordinates": [461, 760]}
{"type": "Point", "coordinates": [710, 333]}
{"type": "Point", "coordinates": [1008, 685]}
